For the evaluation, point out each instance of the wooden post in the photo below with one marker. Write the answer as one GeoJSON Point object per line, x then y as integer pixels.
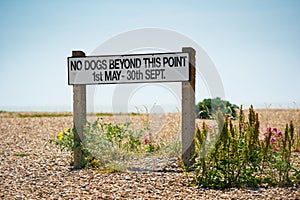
{"type": "Point", "coordinates": [79, 118]}
{"type": "Point", "coordinates": [188, 111]}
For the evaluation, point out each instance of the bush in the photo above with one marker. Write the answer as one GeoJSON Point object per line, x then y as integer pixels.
{"type": "Point", "coordinates": [208, 108]}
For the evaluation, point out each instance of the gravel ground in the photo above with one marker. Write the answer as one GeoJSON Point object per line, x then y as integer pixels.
{"type": "Point", "coordinates": [44, 172]}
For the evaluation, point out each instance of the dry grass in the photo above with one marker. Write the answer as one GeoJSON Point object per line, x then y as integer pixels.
{"type": "Point", "coordinates": [167, 127]}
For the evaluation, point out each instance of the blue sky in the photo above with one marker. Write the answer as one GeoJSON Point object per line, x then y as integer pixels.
{"type": "Point", "coordinates": [255, 45]}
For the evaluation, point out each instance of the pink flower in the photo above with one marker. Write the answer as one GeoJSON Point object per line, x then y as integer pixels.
{"type": "Point", "coordinates": [279, 134]}
{"type": "Point", "coordinates": [276, 149]}
{"type": "Point", "coordinates": [146, 140]}
{"type": "Point", "coordinates": [272, 140]}
{"type": "Point", "coordinates": [275, 130]}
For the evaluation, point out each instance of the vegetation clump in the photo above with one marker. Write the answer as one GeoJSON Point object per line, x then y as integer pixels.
{"type": "Point", "coordinates": [105, 144]}
{"type": "Point", "coordinates": [208, 108]}
{"type": "Point", "coordinates": [242, 157]}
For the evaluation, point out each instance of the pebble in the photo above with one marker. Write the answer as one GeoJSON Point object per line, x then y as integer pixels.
{"type": "Point", "coordinates": [46, 173]}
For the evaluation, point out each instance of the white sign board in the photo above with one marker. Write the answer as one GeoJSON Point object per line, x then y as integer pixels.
{"type": "Point", "coordinates": [142, 68]}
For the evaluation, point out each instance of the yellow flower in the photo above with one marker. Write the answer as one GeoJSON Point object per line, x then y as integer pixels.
{"type": "Point", "coordinates": [60, 135]}
{"type": "Point", "coordinates": [95, 162]}
{"type": "Point", "coordinates": [67, 130]}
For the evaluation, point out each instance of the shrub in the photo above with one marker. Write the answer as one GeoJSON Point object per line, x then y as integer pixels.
{"type": "Point", "coordinates": [208, 108]}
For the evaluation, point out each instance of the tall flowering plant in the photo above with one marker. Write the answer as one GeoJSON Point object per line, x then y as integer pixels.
{"type": "Point", "coordinates": [277, 153]}
{"type": "Point", "coordinates": [240, 159]}
{"type": "Point", "coordinates": [149, 143]}
{"type": "Point", "coordinates": [274, 138]}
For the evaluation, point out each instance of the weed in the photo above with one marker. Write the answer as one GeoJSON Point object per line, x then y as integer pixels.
{"type": "Point", "coordinates": [240, 159]}
{"type": "Point", "coordinates": [21, 154]}
{"type": "Point", "coordinates": [108, 146]}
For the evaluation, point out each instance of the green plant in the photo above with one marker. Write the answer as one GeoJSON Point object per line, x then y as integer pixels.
{"type": "Point", "coordinates": [116, 135]}
{"type": "Point", "coordinates": [65, 140]}
{"type": "Point", "coordinates": [111, 144]}
{"type": "Point", "coordinates": [240, 159]}
{"type": "Point", "coordinates": [150, 145]}
{"type": "Point", "coordinates": [106, 145]}
{"type": "Point", "coordinates": [277, 155]}
{"type": "Point", "coordinates": [208, 108]}
{"type": "Point", "coordinates": [21, 154]}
